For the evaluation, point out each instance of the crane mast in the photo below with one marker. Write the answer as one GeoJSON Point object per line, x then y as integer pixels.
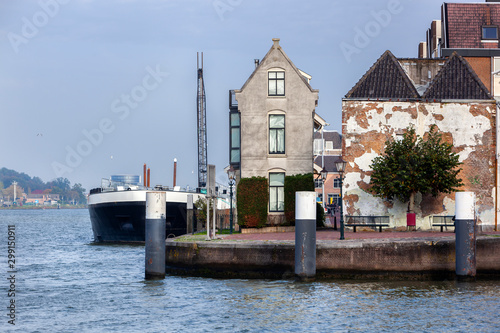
{"type": "Point", "coordinates": [202, 125]}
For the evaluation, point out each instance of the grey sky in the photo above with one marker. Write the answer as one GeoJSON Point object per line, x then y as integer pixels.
{"type": "Point", "coordinates": [67, 67]}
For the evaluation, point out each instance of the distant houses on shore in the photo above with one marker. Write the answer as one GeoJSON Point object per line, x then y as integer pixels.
{"type": "Point", "coordinates": [35, 198]}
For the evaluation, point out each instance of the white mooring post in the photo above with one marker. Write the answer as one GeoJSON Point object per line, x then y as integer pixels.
{"type": "Point", "coordinates": [155, 234]}
{"type": "Point", "coordinates": [465, 235]}
{"type": "Point", "coordinates": [305, 235]}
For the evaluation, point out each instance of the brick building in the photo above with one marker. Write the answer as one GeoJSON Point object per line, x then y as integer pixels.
{"type": "Point", "coordinates": [471, 30]}
{"type": "Point", "coordinates": [327, 151]}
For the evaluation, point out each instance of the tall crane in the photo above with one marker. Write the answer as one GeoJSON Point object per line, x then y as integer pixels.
{"type": "Point", "coordinates": [202, 125]}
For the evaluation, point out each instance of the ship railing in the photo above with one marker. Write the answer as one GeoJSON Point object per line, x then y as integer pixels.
{"type": "Point", "coordinates": [107, 185]}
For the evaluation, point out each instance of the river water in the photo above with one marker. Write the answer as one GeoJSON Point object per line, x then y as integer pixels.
{"type": "Point", "coordinates": [62, 282]}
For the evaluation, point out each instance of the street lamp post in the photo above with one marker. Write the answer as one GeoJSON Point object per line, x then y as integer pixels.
{"type": "Point", "coordinates": [323, 174]}
{"type": "Point", "coordinates": [341, 164]}
{"type": "Point", "coordinates": [231, 176]}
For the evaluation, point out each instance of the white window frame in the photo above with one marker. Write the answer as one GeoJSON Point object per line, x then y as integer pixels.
{"type": "Point", "coordinates": [278, 191]}
{"type": "Point", "coordinates": [274, 135]}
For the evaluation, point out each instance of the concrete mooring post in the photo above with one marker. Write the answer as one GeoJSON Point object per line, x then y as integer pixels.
{"type": "Point", "coordinates": [155, 234]}
{"type": "Point", "coordinates": [465, 236]}
{"type": "Point", "coordinates": [305, 235]}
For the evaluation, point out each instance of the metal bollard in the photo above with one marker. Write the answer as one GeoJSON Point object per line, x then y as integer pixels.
{"type": "Point", "coordinates": [305, 234]}
{"type": "Point", "coordinates": [465, 236]}
{"type": "Point", "coordinates": [155, 235]}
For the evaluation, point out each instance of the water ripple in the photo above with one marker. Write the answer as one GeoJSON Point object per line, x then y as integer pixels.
{"type": "Point", "coordinates": [67, 284]}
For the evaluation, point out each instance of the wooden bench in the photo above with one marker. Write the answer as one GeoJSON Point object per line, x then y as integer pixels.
{"type": "Point", "coordinates": [366, 221]}
{"type": "Point", "coordinates": [443, 222]}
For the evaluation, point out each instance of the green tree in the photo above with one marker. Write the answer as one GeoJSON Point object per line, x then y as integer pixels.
{"type": "Point", "coordinates": [9, 192]}
{"type": "Point", "coordinates": [62, 183]}
{"type": "Point", "coordinates": [201, 213]}
{"type": "Point", "coordinates": [414, 165]}
{"type": "Point", "coordinates": [80, 191]}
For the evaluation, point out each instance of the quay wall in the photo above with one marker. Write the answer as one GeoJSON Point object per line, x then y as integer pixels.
{"type": "Point", "coordinates": [419, 259]}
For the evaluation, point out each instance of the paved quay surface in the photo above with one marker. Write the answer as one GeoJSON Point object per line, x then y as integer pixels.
{"type": "Point", "coordinates": [332, 235]}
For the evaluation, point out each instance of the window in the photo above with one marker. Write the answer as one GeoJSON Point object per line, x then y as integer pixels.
{"type": "Point", "coordinates": [490, 32]}
{"type": "Point", "coordinates": [277, 192]}
{"type": "Point", "coordinates": [234, 138]}
{"type": "Point", "coordinates": [336, 183]}
{"type": "Point", "coordinates": [318, 182]}
{"type": "Point", "coordinates": [334, 199]}
{"type": "Point", "coordinates": [496, 77]}
{"type": "Point", "coordinates": [318, 146]}
{"type": "Point", "coordinates": [276, 85]}
{"type": "Point", "coordinates": [276, 134]}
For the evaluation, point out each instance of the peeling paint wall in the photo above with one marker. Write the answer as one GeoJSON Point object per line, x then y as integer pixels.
{"type": "Point", "coordinates": [470, 127]}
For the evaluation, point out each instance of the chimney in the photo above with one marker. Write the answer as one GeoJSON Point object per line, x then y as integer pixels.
{"type": "Point", "coordinates": [276, 42]}
{"type": "Point", "coordinates": [175, 171]}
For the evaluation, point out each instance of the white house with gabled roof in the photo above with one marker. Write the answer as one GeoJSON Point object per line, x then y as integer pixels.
{"type": "Point", "coordinates": [272, 121]}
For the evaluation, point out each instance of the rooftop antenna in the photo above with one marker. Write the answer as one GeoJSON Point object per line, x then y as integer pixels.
{"type": "Point", "coordinates": [202, 125]}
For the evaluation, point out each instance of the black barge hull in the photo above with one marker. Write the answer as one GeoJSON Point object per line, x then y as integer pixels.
{"type": "Point", "coordinates": [120, 216]}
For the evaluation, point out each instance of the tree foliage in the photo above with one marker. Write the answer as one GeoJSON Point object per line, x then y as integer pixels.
{"type": "Point", "coordinates": [9, 192]}
{"type": "Point", "coordinates": [302, 182]}
{"type": "Point", "coordinates": [320, 216]}
{"type": "Point", "coordinates": [61, 186]}
{"type": "Point", "coordinates": [414, 165]}
{"type": "Point", "coordinates": [201, 210]}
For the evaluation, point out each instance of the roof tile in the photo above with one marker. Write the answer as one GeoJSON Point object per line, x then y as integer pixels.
{"type": "Point", "coordinates": [385, 79]}
{"type": "Point", "coordinates": [465, 20]}
{"type": "Point", "coordinates": [456, 80]}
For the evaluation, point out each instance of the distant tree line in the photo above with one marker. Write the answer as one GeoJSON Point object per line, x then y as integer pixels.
{"type": "Point", "coordinates": [62, 186]}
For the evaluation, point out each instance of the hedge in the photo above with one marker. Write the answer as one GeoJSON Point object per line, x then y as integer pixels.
{"type": "Point", "coordinates": [252, 195]}
{"type": "Point", "coordinates": [303, 182]}
{"type": "Point", "coordinates": [320, 216]}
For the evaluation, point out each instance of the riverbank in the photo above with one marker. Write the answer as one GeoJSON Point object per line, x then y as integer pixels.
{"type": "Point", "coordinates": [363, 255]}
{"type": "Point", "coordinates": [44, 207]}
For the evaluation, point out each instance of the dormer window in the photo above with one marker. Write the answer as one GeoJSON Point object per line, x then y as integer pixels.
{"type": "Point", "coordinates": [276, 83]}
{"type": "Point", "coordinates": [490, 32]}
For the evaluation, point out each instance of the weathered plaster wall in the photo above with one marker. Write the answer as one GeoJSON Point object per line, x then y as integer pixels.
{"type": "Point", "coordinates": [421, 71]}
{"type": "Point", "coordinates": [470, 127]}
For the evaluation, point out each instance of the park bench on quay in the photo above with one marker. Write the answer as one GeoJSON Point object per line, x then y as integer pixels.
{"type": "Point", "coordinates": [446, 221]}
{"type": "Point", "coordinates": [366, 221]}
